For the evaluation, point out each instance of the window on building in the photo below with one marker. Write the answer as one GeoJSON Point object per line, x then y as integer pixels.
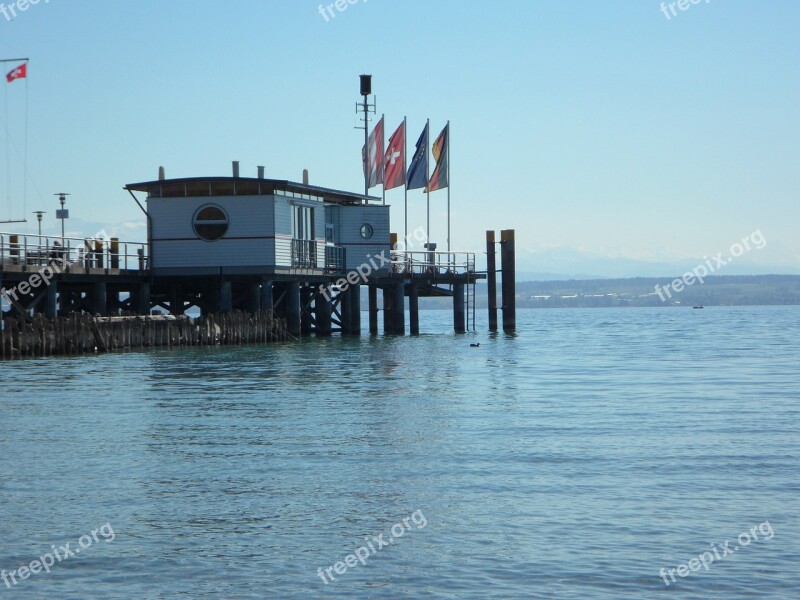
{"type": "Point", "coordinates": [210, 222]}
{"type": "Point", "coordinates": [303, 223]}
{"type": "Point", "coordinates": [366, 231]}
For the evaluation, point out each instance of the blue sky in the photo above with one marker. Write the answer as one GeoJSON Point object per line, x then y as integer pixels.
{"type": "Point", "coordinates": [598, 128]}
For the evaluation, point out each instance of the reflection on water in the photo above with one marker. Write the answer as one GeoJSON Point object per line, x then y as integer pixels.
{"type": "Point", "coordinates": [574, 459]}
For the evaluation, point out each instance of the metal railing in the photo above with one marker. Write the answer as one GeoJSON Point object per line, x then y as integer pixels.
{"type": "Point", "coordinates": [432, 263]}
{"type": "Point", "coordinates": [334, 258]}
{"type": "Point", "coordinates": [26, 251]}
{"type": "Point", "coordinates": [304, 253]}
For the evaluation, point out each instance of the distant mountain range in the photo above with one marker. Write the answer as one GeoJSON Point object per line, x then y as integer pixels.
{"type": "Point", "coordinates": [555, 264]}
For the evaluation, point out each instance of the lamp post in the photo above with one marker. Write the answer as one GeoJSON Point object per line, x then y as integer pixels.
{"type": "Point", "coordinates": [63, 213]}
{"type": "Point", "coordinates": [366, 108]}
{"type": "Point", "coordinates": [39, 214]}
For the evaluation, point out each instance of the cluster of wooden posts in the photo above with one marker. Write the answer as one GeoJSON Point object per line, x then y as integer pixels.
{"type": "Point", "coordinates": [85, 334]}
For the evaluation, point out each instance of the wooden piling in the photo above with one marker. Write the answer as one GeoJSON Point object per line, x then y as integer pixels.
{"type": "Point", "coordinates": [508, 266]}
{"type": "Point", "coordinates": [373, 309]}
{"type": "Point", "coordinates": [491, 279]}
{"type": "Point", "coordinates": [413, 309]}
{"type": "Point", "coordinates": [459, 314]}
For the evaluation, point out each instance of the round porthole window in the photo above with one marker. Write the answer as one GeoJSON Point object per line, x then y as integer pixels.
{"type": "Point", "coordinates": [366, 231]}
{"type": "Point", "coordinates": [210, 222]}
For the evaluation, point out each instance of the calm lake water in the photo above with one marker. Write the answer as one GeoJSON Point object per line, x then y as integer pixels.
{"type": "Point", "coordinates": [574, 460]}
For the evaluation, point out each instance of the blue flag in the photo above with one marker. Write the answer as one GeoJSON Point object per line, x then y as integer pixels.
{"type": "Point", "coordinates": [417, 176]}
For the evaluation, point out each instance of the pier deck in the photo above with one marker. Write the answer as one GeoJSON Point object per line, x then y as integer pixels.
{"type": "Point", "coordinates": [56, 276]}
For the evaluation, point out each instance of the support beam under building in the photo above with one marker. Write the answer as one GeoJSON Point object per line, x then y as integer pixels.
{"type": "Point", "coordinates": [176, 300]}
{"type": "Point", "coordinates": [252, 297]}
{"type": "Point", "coordinates": [99, 299]}
{"type": "Point", "coordinates": [141, 299]}
{"type": "Point", "coordinates": [266, 295]}
{"type": "Point", "coordinates": [323, 311]}
{"type": "Point", "coordinates": [51, 300]}
{"type": "Point", "coordinates": [293, 307]}
{"type": "Point", "coordinates": [306, 320]}
{"type": "Point", "coordinates": [225, 297]}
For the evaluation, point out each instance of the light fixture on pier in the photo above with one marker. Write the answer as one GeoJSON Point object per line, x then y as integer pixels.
{"type": "Point", "coordinates": [63, 213]}
{"type": "Point", "coordinates": [39, 214]}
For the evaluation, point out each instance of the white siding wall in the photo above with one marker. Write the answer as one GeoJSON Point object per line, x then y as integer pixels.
{"type": "Point", "coordinates": [319, 234]}
{"type": "Point", "coordinates": [175, 243]}
{"type": "Point", "coordinates": [348, 221]}
{"type": "Point", "coordinates": [283, 231]}
{"type": "Point", "coordinates": [283, 228]}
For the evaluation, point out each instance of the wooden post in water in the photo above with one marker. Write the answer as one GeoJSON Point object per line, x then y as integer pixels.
{"type": "Point", "coordinates": [491, 279]}
{"type": "Point", "coordinates": [459, 323]}
{"type": "Point", "coordinates": [373, 309]}
{"type": "Point", "coordinates": [398, 309]}
{"type": "Point", "coordinates": [355, 310]}
{"type": "Point", "coordinates": [507, 262]}
{"type": "Point", "coordinates": [323, 312]}
{"type": "Point", "coordinates": [413, 308]}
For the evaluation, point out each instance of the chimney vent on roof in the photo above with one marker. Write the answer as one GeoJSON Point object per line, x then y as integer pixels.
{"type": "Point", "coordinates": [305, 176]}
{"type": "Point", "coordinates": [261, 172]}
{"type": "Point", "coordinates": [236, 168]}
{"type": "Point", "coordinates": [161, 174]}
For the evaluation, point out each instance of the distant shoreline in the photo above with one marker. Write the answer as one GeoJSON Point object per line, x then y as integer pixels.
{"type": "Point", "coordinates": [716, 290]}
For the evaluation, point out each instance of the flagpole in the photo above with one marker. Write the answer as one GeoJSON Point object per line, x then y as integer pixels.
{"type": "Point", "coordinates": [366, 147]}
{"type": "Point", "coordinates": [383, 162]}
{"type": "Point", "coordinates": [428, 179]}
{"type": "Point", "coordinates": [8, 142]}
{"type": "Point", "coordinates": [405, 187]}
{"type": "Point", "coordinates": [448, 186]}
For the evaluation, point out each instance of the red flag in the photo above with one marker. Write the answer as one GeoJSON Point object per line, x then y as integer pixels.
{"type": "Point", "coordinates": [441, 150]}
{"type": "Point", "coordinates": [394, 168]}
{"type": "Point", "coordinates": [19, 73]}
{"type": "Point", "coordinates": [373, 158]}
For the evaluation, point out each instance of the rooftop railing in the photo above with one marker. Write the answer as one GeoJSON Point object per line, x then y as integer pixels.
{"type": "Point", "coordinates": [27, 252]}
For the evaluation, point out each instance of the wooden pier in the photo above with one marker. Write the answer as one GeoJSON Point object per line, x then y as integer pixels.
{"type": "Point", "coordinates": [236, 245]}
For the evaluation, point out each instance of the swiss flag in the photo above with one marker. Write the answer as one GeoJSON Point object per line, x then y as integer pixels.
{"type": "Point", "coordinates": [394, 161]}
{"type": "Point", "coordinates": [19, 73]}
